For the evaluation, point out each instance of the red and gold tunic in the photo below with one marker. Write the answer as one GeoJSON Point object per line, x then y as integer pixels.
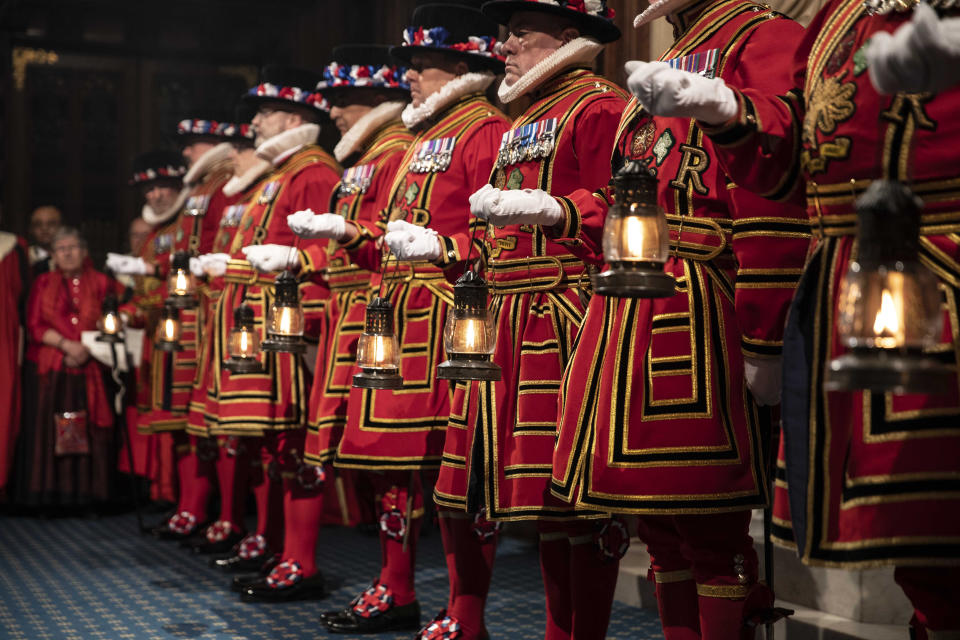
{"type": "Point", "coordinates": [656, 417]}
{"type": "Point", "coordinates": [194, 232]}
{"type": "Point", "coordinates": [276, 398]}
{"type": "Point", "coordinates": [537, 285]}
{"type": "Point", "coordinates": [404, 428]}
{"type": "Point", "coordinates": [143, 309]}
{"type": "Point", "coordinates": [213, 350]}
{"type": "Point", "coordinates": [872, 477]}
{"type": "Point", "coordinates": [360, 195]}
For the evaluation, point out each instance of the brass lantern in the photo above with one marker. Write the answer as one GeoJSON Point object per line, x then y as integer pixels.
{"type": "Point", "coordinates": [378, 352]}
{"type": "Point", "coordinates": [469, 334]}
{"type": "Point", "coordinates": [636, 239]}
{"type": "Point", "coordinates": [244, 343]}
{"type": "Point", "coordinates": [285, 320]}
{"type": "Point", "coordinates": [168, 330]}
{"type": "Point", "coordinates": [181, 285]}
{"type": "Point", "coordinates": [889, 306]}
{"type": "Point", "coordinates": [111, 329]}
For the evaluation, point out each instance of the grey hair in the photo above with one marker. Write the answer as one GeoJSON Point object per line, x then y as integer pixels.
{"type": "Point", "coordinates": [69, 232]}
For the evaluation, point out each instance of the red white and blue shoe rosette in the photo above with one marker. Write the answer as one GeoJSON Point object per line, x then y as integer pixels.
{"type": "Point", "coordinates": [285, 575]}
{"type": "Point", "coordinates": [253, 545]}
{"type": "Point", "coordinates": [219, 531]}
{"type": "Point", "coordinates": [443, 627]}
{"type": "Point", "coordinates": [182, 523]}
{"type": "Point", "coordinates": [374, 601]}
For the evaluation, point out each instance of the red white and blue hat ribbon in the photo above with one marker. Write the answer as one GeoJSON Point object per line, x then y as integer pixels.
{"type": "Point", "coordinates": [596, 8]}
{"type": "Point", "coordinates": [213, 128]}
{"type": "Point", "coordinates": [436, 37]}
{"type": "Point", "coordinates": [153, 173]}
{"type": "Point", "coordinates": [363, 75]}
{"type": "Point", "coordinates": [293, 94]}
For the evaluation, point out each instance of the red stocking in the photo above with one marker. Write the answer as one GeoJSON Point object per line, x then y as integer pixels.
{"type": "Point", "coordinates": [470, 552]}
{"type": "Point", "coordinates": [398, 534]}
{"type": "Point", "coordinates": [555, 568]}
{"type": "Point", "coordinates": [593, 579]}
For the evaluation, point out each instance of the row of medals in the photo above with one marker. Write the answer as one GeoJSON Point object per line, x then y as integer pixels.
{"type": "Point", "coordinates": [517, 153]}
{"type": "Point", "coordinates": [431, 163]}
{"type": "Point", "coordinates": [883, 7]}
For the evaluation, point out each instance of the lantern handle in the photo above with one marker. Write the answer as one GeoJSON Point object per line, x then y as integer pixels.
{"type": "Point", "coordinates": [473, 239]}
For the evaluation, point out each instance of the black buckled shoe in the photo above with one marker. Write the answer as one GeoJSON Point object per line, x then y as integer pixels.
{"type": "Point", "coordinates": [239, 583]}
{"type": "Point", "coordinates": [180, 526]}
{"type": "Point", "coordinates": [326, 616]}
{"type": "Point", "coordinates": [248, 556]}
{"type": "Point", "coordinates": [207, 547]}
{"type": "Point", "coordinates": [285, 583]}
{"type": "Point", "coordinates": [376, 613]}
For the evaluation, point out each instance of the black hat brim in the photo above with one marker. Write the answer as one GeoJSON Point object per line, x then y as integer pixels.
{"type": "Point", "coordinates": [395, 93]}
{"type": "Point", "coordinates": [405, 53]}
{"type": "Point", "coordinates": [600, 28]}
{"type": "Point", "coordinates": [258, 101]}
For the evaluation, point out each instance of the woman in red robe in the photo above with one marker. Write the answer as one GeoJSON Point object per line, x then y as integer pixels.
{"type": "Point", "coordinates": [66, 446]}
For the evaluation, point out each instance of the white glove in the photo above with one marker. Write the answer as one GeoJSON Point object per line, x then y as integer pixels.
{"type": "Point", "coordinates": [214, 264]}
{"type": "Point", "coordinates": [124, 265]}
{"type": "Point", "coordinates": [410, 242]}
{"type": "Point", "coordinates": [196, 268]}
{"type": "Point", "coordinates": [308, 224]}
{"type": "Point", "coordinates": [515, 206]}
{"type": "Point", "coordinates": [764, 377]}
{"type": "Point", "coordinates": [271, 257]}
{"type": "Point", "coordinates": [922, 55]}
{"type": "Point", "coordinates": [664, 91]}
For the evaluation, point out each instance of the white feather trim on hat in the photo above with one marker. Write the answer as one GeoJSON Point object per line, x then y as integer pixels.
{"type": "Point", "coordinates": [238, 184]}
{"type": "Point", "coordinates": [362, 129]}
{"type": "Point", "coordinates": [578, 51]}
{"type": "Point", "coordinates": [460, 86]}
{"type": "Point", "coordinates": [211, 160]}
{"type": "Point", "coordinates": [283, 144]}
{"type": "Point", "coordinates": [658, 9]}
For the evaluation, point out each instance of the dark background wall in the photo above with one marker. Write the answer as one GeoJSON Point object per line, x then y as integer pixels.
{"type": "Point", "coordinates": [91, 83]}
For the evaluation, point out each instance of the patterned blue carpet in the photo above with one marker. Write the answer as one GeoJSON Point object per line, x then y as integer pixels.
{"type": "Point", "coordinates": [96, 579]}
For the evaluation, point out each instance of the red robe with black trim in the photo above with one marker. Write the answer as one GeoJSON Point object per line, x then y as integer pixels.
{"type": "Point", "coordinates": [194, 232]}
{"type": "Point", "coordinates": [214, 350]}
{"type": "Point", "coordinates": [250, 404]}
{"type": "Point", "coordinates": [656, 417]}
{"type": "Point", "coordinates": [503, 433]}
{"type": "Point", "coordinates": [349, 285]}
{"type": "Point", "coordinates": [14, 279]}
{"type": "Point", "coordinates": [873, 478]}
{"type": "Point", "coordinates": [404, 428]}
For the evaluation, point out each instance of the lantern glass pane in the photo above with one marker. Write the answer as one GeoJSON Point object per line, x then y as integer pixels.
{"type": "Point", "coordinates": [376, 351]}
{"type": "Point", "coordinates": [244, 342]}
{"type": "Point", "coordinates": [285, 320]}
{"type": "Point", "coordinates": [636, 232]}
{"type": "Point", "coordinates": [168, 330]}
{"type": "Point", "coordinates": [181, 283]}
{"type": "Point", "coordinates": [469, 331]}
{"type": "Point", "coordinates": [894, 307]}
{"type": "Point", "coordinates": [110, 323]}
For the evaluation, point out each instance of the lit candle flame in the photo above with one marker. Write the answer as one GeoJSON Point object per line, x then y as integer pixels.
{"type": "Point", "coordinates": [244, 343]}
{"type": "Point", "coordinates": [470, 336]}
{"type": "Point", "coordinates": [170, 330]}
{"type": "Point", "coordinates": [285, 321]}
{"type": "Point", "coordinates": [887, 324]}
{"type": "Point", "coordinates": [180, 288]}
{"type": "Point", "coordinates": [110, 323]}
